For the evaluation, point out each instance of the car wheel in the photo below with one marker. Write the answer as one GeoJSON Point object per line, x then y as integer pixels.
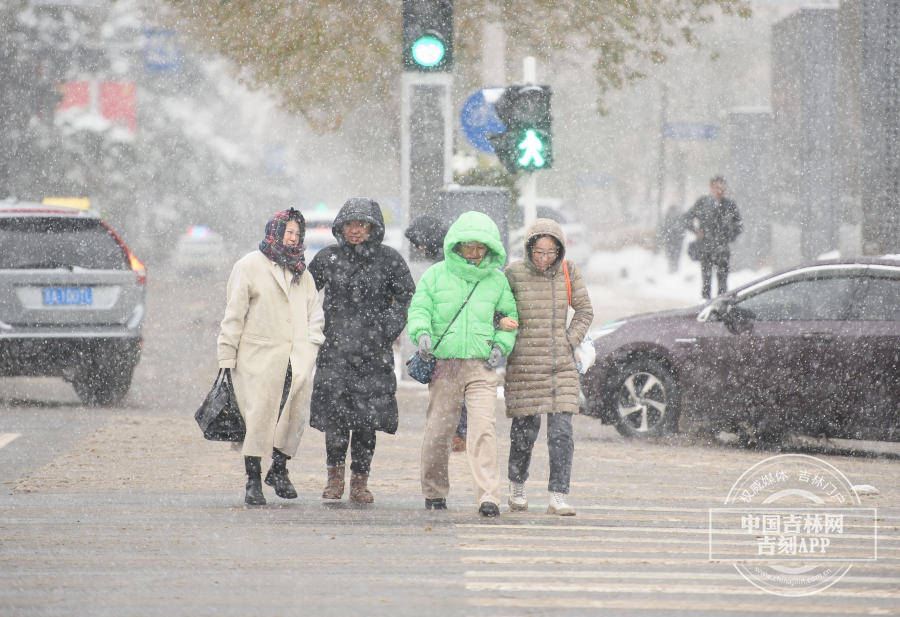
{"type": "Point", "coordinates": [98, 384]}
{"type": "Point", "coordinates": [645, 399]}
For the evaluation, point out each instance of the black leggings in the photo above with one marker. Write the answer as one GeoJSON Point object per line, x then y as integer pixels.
{"type": "Point", "coordinates": [362, 448]}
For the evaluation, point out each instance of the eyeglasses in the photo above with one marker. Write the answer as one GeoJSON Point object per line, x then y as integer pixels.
{"type": "Point", "coordinates": [545, 253]}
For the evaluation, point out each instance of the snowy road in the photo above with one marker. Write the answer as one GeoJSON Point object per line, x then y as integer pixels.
{"type": "Point", "coordinates": [128, 511]}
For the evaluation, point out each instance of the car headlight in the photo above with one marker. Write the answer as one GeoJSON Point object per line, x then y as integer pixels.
{"type": "Point", "coordinates": [607, 328]}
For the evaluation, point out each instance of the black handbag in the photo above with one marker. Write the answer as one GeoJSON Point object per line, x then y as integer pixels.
{"type": "Point", "coordinates": [695, 250]}
{"type": "Point", "coordinates": [219, 417]}
{"type": "Point", "coordinates": [419, 368]}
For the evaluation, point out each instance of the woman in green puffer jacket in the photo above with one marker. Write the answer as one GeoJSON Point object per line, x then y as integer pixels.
{"type": "Point", "coordinates": [467, 355]}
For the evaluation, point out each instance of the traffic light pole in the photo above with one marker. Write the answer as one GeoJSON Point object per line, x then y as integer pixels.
{"type": "Point", "coordinates": [426, 141]}
{"type": "Point", "coordinates": [529, 182]}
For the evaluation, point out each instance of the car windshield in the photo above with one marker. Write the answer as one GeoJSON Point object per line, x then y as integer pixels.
{"type": "Point", "coordinates": [46, 243]}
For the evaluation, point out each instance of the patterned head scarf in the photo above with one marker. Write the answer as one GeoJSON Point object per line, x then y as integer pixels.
{"type": "Point", "coordinates": [291, 257]}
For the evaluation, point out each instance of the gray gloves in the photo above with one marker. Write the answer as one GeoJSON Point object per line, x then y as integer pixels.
{"type": "Point", "coordinates": [493, 360]}
{"type": "Point", "coordinates": [425, 347]}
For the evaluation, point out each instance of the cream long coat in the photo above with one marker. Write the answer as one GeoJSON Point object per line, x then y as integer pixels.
{"type": "Point", "coordinates": [268, 321]}
{"type": "Point", "coordinates": [540, 372]}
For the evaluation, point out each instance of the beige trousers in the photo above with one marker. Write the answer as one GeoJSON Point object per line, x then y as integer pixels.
{"type": "Point", "coordinates": [456, 381]}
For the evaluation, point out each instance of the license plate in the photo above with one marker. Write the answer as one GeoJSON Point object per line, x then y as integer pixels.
{"type": "Point", "coordinates": [70, 296]}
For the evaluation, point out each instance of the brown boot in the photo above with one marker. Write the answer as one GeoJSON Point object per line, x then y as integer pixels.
{"type": "Point", "coordinates": [335, 487]}
{"type": "Point", "coordinates": [358, 491]}
{"type": "Point", "coordinates": [458, 444]}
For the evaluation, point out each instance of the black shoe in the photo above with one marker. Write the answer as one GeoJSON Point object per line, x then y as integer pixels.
{"type": "Point", "coordinates": [489, 509]}
{"type": "Point", "coordinates": [436, 504]}
{"type": "Point", "coordinates": [278, 476]}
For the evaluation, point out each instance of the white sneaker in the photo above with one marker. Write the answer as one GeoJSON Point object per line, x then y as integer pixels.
{"type": "Point", "coordinates": [518, 501]}
{"type": "Point", "coordinates": [559, 506]}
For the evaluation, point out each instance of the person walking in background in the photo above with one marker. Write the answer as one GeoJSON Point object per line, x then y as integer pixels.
{"type": "Point", "coordinates": [452, 318]}
{"type": "Point", "coordinates": [541, 378]}
{"type": "Point", "coordinates": [716, 222]}
{"type": "Point", "coordinates": [426, 235]}
{"type": "Point", "coordinates": [269, 338]}
{"type": "Point", "coordinates": [671, 236]}
{"type": "Point", "coordinates": [367, 291]}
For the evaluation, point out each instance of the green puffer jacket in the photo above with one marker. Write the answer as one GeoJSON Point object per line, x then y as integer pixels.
{"type": "Point", "coordinates": [444, 287]}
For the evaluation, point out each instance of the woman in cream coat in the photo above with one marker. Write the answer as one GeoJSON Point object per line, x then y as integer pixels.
{"type": "Point", "coordinates": [269, 338]}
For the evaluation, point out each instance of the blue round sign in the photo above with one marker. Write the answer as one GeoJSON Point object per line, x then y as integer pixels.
{"type": "Point", "coordinates": [478, 120]}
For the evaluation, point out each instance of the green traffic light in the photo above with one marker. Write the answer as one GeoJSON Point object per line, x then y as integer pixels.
{"type": "Point", "coordinates": [531, 146]}
{"type": "Point", "coordinates": [428, 51]}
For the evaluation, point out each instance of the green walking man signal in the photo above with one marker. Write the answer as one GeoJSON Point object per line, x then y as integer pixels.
{"type": "Point", "coordinates": [531, 148]}
{"type": "Point", "coordinates": [527, 143]}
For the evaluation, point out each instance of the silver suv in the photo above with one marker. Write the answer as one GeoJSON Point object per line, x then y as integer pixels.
{"type": "Point", "coordinates": [71, 300]}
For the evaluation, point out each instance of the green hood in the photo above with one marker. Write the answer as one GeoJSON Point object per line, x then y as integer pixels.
{"type": "Point", "coordinates": [474, 226]}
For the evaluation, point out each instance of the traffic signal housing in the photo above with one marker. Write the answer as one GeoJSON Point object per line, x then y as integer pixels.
{"type": "Point", "coordinates": [427, 35]}
{"type": "Point", "coordinates": [527, 143]}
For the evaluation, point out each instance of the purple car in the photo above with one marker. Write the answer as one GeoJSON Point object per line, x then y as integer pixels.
{"type": "Point", "coordinates": [814, 350]}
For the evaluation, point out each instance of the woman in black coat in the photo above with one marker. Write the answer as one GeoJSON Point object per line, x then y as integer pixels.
{"type": "Point", "coordinates": [367, 292]}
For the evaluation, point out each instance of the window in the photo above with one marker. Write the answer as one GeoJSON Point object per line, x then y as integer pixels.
{"type": "Point", "coordinates": [879, 300]}
{"type": "Point", "coordinates": [804, 300]}
{"type": "Point", "coordinates": [34, 242]}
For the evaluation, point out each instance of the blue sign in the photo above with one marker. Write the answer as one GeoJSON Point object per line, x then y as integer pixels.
{"type": "Point", "coordinates": [692, 132]}
{"type": "Point", "coordinates": [161, 50]}
{"type": "Point", "coordinates": [479, 119]}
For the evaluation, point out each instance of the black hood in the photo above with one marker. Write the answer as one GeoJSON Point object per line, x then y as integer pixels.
{"type": "Point", "coordinates": [428, 232]}
{"type": "Point", "coordinates": [360, 209]}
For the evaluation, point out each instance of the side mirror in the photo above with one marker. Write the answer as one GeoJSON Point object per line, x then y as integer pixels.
{"type": "Point", "coordinates": [712, 311]}
{"type": "Point", "coordinates": [737, 319]}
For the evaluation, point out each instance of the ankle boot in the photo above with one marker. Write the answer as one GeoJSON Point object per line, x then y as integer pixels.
{"type": "Point", "coordinates": [254, 495]}
{"type": "Point", "coordinates": [359, 493]}
{"type": "Point", "coordinates": [335, 487]}
{"type": "Point", "coordinates": [278, 476]}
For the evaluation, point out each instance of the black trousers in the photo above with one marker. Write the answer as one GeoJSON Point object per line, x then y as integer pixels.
{"type": "Point", "coordinates": [362, 448]}
{"type": "Point", "coordinates": [706, 267]}
{"type": "Point", "coordinates": [523, 433]}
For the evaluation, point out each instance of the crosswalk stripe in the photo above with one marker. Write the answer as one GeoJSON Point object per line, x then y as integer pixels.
{"type": "Point", "coordinates": [675, 516]}
{"type": "Point", "coordinates": [532, 586]}
{"type": "Point", "coordinates": [643, 530]}
{"type": "Point", "coordinates": [740, 553]}
{"type": "Point", "coordinates": [7, 438]}
{"type": "Point", "coordinates": [669, 605]}
{"type": "Point", "coordinates": [638, 558]}
{"type": "Point", "coordinates": [644, 575]}
{"type": "Point", "coordinates": [629, 538]}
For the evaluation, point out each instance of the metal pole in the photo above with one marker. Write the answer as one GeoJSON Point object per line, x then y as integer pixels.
{"type": "Point", "coordinates": [661, 164]}
{"type": "Point", "coordinates": [529, 183]}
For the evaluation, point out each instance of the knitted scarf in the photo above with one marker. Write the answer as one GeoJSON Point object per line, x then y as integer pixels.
{"type": "Point", "coordinates": [291, 257]}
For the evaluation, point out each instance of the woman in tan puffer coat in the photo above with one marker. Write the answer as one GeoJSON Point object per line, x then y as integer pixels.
{"type": "Point", "coordinates": [540, 373]}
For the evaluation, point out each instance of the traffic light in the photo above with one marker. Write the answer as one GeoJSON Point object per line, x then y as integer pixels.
{"type": "Point", "coordinates": [527, 144]}
{"type": "Point", "coordinates": [427, 35]}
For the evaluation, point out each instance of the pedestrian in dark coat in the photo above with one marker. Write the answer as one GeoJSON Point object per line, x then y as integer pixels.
{"type": "Point", "coordinates": [367, 292]}
{"type": "Point", "coordinates": [426, 233]}
{"type": "Point", "coordinates": [716, 222]}
{"type": "Point", "coordinates": [670, 236]}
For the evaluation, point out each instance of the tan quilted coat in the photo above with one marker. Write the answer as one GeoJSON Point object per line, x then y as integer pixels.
{"type": "Point", "coordinates": [540, 371]}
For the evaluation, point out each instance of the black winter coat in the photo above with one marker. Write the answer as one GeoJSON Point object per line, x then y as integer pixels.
{"type": "Point", "coordinates": [720, 223]}
{"type": "Point", "coordinates": [367, 292]}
